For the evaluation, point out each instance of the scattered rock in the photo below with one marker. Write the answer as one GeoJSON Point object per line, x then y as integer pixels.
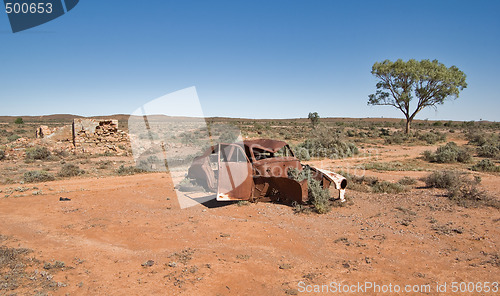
{"type": "Point", "coordinates": [285, 266]}
{"type": "Point", "coordinates": [148, 263]}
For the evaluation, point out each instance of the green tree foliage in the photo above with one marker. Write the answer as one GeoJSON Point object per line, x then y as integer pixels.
{"type": "Point", "coordinates": [19, 120]}
{"type": "Point", "coordinates": [314, 118]}
{"type": "Point", "coordinates": [429, 82]}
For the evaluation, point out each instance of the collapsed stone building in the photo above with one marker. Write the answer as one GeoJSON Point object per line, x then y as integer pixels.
{"type": "Point", "coordinates": [86, 135]}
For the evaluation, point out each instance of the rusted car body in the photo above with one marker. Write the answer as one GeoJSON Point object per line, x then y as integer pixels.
{"type": "Point", "coordinates": [258, 170]}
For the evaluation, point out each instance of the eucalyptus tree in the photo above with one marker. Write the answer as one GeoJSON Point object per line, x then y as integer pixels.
{"type": "Point", "coordinates": [429, 82]}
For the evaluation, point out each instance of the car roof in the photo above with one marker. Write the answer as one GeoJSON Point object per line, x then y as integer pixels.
{"type": "Point", "coordinates": [265, 144]}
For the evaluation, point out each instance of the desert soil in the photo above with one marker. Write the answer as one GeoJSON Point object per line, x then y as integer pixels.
{"type": "Point", "coordinates": [113, 226]}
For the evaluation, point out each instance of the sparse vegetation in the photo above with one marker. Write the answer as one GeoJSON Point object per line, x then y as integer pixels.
{"type": "Point", "coordinates": [328, 143]}
{"type": "Point", "coordinates": [19, 120]}
{"type": "Point", "coordinates": [448, 153]}
{"type": "Point", "coordinates": [128, 170]}
{"type": "Point", "coordinates": [488, 150]}
{"type": "Point", "coordinates": [442, 179]}
{"type": "Point", "coordinates": [461, 188]}
{"type": "Point", "coordinates": [37, 153]}
{"type": "Point", "coordinates": [12, 138]}
{"type": "Point", "coordinates": [388, 187]}
{"type": "Point", "coordinates": [38, 176]}
{"type": "Point", "coordinates": [318, 197]}
{"type": "Point", "coordinates": [488, 144]}
{"type": "Point", "coordinates": [70, 170]}
{"type": "Point", "coordinates": [372, 184]}
{"type": "Point", "coordinates": [189, 185]}
{"type": "Point", "coordinates": [486, 165]}
{"type": "Point", "coordinates": [401, 138]}
{"type": "Point", "coordinates": [2, 154]}
{"type": "Point", "coordinates": [314, 118]}
{"type": "Point", "coordinates": [408, 181]}
{"type": "Point", "coordinates": [391, 166]}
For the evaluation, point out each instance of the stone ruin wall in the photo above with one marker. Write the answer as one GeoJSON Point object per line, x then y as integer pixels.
{"type": "Point", "coordinates": [87, 135]}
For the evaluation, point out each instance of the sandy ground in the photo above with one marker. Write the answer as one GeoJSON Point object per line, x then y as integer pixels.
{"type": "Point", "coordinates": [113, 225]}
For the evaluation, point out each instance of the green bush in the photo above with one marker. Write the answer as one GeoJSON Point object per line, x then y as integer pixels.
{"type": "Point", "coordinates": [12, 138]}
{"type": "Point", "coordinates": [407, 181]}
{"type": "Point", "coordinates": [397, 138]}
{"type": "Point", "coordinates": [38, 176]}
{"type": "Point", "coordinates": [479, 138]}
{"type": "Point", "coordinates": [328, 143]}
{"type": "Point", "coordinates": [448, 153]}
{"type": "Point", "coordinates": [70, 170]}
{"type": "Point", "coordinates": [318, 197]}
{"type": "Point", "coordinates": [388, 187]}
{"type": "Point", "coordinates": [461, 188]}
{"type": "Point", "coordinates": [486, 165]}
{"type": "Point", "coordinates": [2, 154]}
{"type": "Point", "coordinates": [19, 120]}
{"type": "Point", "coordinates": [432, 137]}
{"type": "Point", "coordinates": [400, 137]}
{"type": "Point", "coordinates": [302, 153]}
{"type": "Point", "coordinates": [442, 179]}
{"type": "Point", "coordinates": [488, 150]}
{"type": "Point", "coordinates": [37, 153]}
{"type": "Point", "coordinates": [189, 185]}
{"type": "Point", "coordinates": [128, 170]}
{"type": "Point", "coordinates": [228, 136]}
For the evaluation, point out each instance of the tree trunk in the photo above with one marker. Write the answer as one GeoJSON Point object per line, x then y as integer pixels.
{"type": "Point", "coordinates": [408, 123]}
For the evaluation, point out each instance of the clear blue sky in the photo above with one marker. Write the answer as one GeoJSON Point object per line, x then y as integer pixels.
{"type": "Point", "coordinates": [255, 59]}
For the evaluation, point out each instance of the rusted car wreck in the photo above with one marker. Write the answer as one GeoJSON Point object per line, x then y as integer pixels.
{"type": "Point", "coordinates": [258, 170]}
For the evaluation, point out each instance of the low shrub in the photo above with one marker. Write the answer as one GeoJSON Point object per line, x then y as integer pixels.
{"type": "Point", "coordinates": [391, 166]}
{"type": "Point", "coordinates": [488, 150]}
{"type": "Point", "coordinates": [189, 185]}
{"type": "Point", "coordinates": [466, 190]}
{"type": "Point", "coordinates": [70, 170]}
{"type": "Point", "coordinates": [302, 153]}
{"type": "Point", "coordinates": [151, 164]}
{"type": "Point", "coordinates": [37, 153]}
{"type": "Point", "coordinates": [432, 137]}
{"type": "Point", "coordinates": [318, 197]}
{"type": "Point", "coordinates": [400, 137]}
{"type": "Point", "coordinates": [38, 176]}
{"type": "Point", "coordinates": [479, 138]}
{"type": "Point", "coordinates": [448, 153]}
{"type": "Point", "coordinates": [388, 187]}
{"type": "Point", "coordinates": [2, 154]}
{"type": "Point", "coordinates": [328, 143]}
{"type": "Point", "coordinates": [486, 165]}
{"type": "Point", "coordinates": [442, 179]}
{"type": "Point", "coordinates": [12, 138]}
{"type": "Point", "coordinates": [407, 181]}
{"type": "Point", "coordinates": [372, 184]}
{"type": "Point", "coordinates": [397, 138]}
{"type": "Point", "coordinates": [128, 170]}
{"type": "Point", "coordinates": [461, 188]}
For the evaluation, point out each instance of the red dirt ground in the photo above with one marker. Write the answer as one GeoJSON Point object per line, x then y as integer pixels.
{"type": "Point", "coordinates": [113, 225]}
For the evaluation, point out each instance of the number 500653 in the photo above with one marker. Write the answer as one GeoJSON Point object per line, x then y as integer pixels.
{"type": "Point", "coordinates": [471, 287]}
{"type": "Point", "coordinates": [28, 8]}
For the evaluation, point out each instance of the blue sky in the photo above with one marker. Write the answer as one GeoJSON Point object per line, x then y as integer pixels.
{"type": "Point", "coordinates": [254, 59]}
